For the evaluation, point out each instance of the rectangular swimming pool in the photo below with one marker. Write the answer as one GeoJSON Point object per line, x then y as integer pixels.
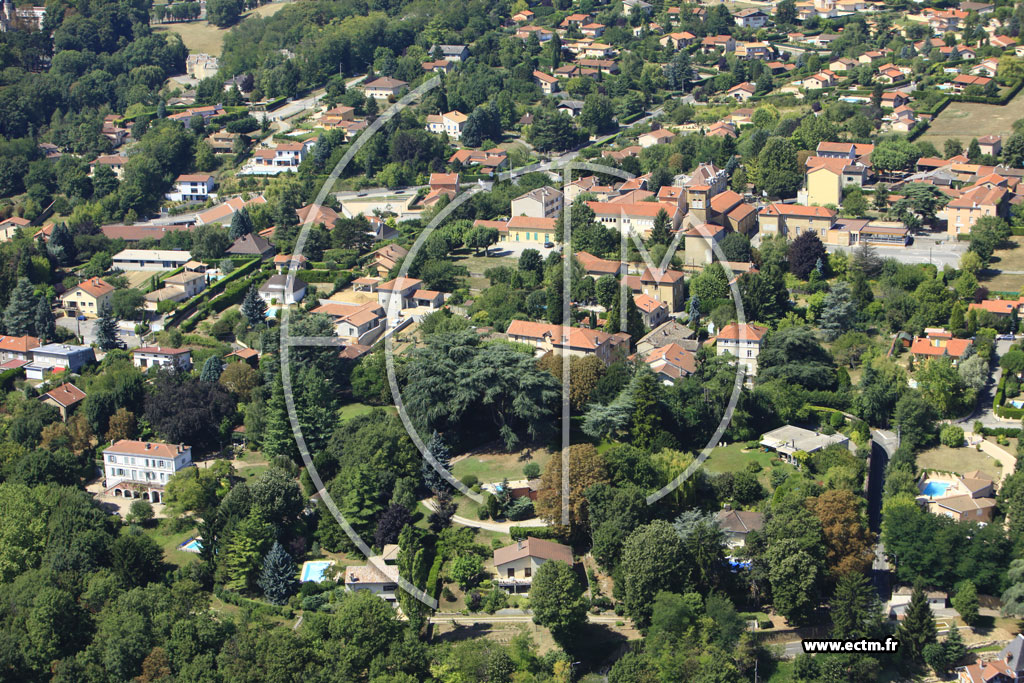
{"type": "Point", "coordinates": [935, 489]}
{"type": "Point", "coordinates": [314, 570]}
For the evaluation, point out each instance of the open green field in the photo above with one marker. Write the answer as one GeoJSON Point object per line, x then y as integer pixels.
{"type": "Point", "coordinates": [964, 121]}
{"type": "Point", "coordinates": [356, 409]}
{"type": "Point", "coordinates": [959, 460]}
{"type": "Point", "coordinates": [1012, 257]}
{"type": "Point", "coordinates": [160, 531]}
{"type": "Point", "coordinates": [490, 467]}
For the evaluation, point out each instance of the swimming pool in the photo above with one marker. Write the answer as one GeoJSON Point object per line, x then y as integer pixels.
{"type": "Point", "coordinates": [935, 489]}
{"type": "Point", "coordinates": [192, 545]}
{"type": "Point", "coordinates": [314, 570]}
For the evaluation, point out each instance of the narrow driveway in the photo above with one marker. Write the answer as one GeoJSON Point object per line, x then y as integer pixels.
{"type": "Point", "coordinates": [500, 527]}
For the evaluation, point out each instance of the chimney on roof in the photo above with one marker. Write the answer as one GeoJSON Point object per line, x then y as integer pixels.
{"type": "Point", "coordinates": [148, 445]}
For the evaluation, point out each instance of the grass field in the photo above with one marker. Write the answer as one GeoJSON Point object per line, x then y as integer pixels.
{"type": "Point", "coordinates": [1011, 258]}
{"type": "Point", "coordinates": [356, 409]}
{"type": "Point", "coordinates": [489, 467]}
{"type": "Point", "coordinates": [169, 542]}
{"type": "Point", "coordinates": [732, 458]}
{"type": "Point", "coordinates": [201, 36]}
{"type": "Point", "coordinates": [958, 460]}
{"type": "Point", "coordinates": [966, 120]}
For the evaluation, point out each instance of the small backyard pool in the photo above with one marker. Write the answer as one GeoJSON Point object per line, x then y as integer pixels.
{"type": "Point", "coordinates": [935, 489]}
{"type": "Point", "coordinates": [314, 570]}
{"type": "Point", "coordinates": [192, 545]}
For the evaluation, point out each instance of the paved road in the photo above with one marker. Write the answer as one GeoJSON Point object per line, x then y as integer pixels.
{"type": "Point", "coordinates": [940, 255]}
{"type": "Point", "coordinates": [469, 620]}
{"type": "Point", "coordinates": [86, 329]}
{"type": "Point", "coordinates": [883, 444]}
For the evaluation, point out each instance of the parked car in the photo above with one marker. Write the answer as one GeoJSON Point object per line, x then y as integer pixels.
{"type": "Point", "coordinates": [549, 245]}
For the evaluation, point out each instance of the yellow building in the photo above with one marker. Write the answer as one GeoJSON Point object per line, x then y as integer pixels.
{"type": "Point", "coordinates": [528, 229]}
{"type": "Point", "coordinates": [826, 178]}
{"type": "Point", "coordinates": [668, 287]}
{"type": "Point", "coordinates": [790, 220]}
{"type": "Point", "coordinates": [90, 298]}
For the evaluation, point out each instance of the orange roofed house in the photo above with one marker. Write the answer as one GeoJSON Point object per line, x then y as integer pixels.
{"type": "Point", "coordinates": [140, 469]}
{"type": "Point", "coordinates": [742, 341]}
{"type": "Point", "coordinates": [89, 298]}
{"type": "Point", "coordinates": [938, 343]}
{"type": "Point", "coordinates": [572, 341]}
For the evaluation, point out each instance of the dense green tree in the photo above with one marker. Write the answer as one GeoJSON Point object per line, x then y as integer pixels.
{"type": "Point", "coordinates": [20, 312]}
{"type": "Point", "coordinates": [106, 331]}
{"type": "Point", "coordinates": [805, 253]}
{"type": "Point", "coordinates": [856, 612]}
{"type": "Point", "coordinates": [653, 559]}
{"type": "Point", "coordinates": [778, 172]}
{"type": "Point", "coordinates": [918, 627]}
{"type": "Point", "coordinates": [253, 307]}
{"type": "Point", "coordinates": [557, 601]}
{"type": "Point", "coordinates": [278, 578]}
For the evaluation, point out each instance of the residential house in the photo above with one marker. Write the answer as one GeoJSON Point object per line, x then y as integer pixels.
{"type": "Point", "coordinates": [655, 137]}
{"type": "Point", "coordinates": [902, 119]}
{"type": "Point", "coordinates": [180, 287]}
{"type": "Point", "coordinates": [668, 333]}
{"type": "Point", "coordinates": [163, 357]}
{"type": "Point", "coordinates": [572, 341]}
{"type": "Point", "coordinates": [385, 87]}
{"type": "Point", "coordinates": [671, 362]}
{"type": "Point", "coordinates": [593, 30]}
{"type": "Point", "coordinates": [843, 64]}
{"type": "Point", "coordinates": [789, 439]}
{"type": "Point", "coordinates": [137, 233]}
{"type": "Point", "coordinates": [722, 42]}
{"type": "Point", "coordinates": [750, 18]}
{"type": "Point", "coordinates": [452, 53]}
{"type": "Point", "coordinates": [205, 113]}
{"type": "Point", "coordinates": [939, 343]}
{"type": "Point", "coordinates": [664, 285]}
{"type": "Point", "coordinates": [999, 307]}
{"type": "Point", "coordinates": [89, 298]}
{"type": "Point", "coordinates": [571, 107]}
{"type": "Point", "coordinates": [9, 227]}
{"type": "Point", "coordinates": [543, 34]}
{"type": "Point", "coordinates": [597, 267]}
{"type": "Point", "coordinates": [892, 100]}
{"type": "Point", "coordinates": [964, 81]}
{"type": "Point", "coordinates": [223, 213]}
{"type": "Point", "coordinates": [652, 311]}
{"type": "Point", "coordinates": [742, 92]}
{"type": "Point", "coordinates": [286, 156]}
{"type": "Point", "coordinates": [741, 341]}
{"type": "Point", "coordinates": [194, 187]}
{"type": "Point", "coordinates": [282, 262]}
{"type": "Point", "coordinates": [991, 144]}
{"type": "Point", "coordinates": [755, 50]}
{"type": "Point", "coordinates": [968, 498]}
{"type": "Point", "coordinates": [276, 290]}
{"type": "Point", "coordinates": [150, 259]}
{"type": "Point", "coordinates": [387, 257]}
{"type": "Point", "coordinates": [792, 219]}
{"type": "Point", "coordinates": [1006, 667]}
{"type": "Point", "coordinates": [964, 211]}
{"type": "Point", "coordinates": [1003, 42]}
{"type": "Point", "coordinates": [450, 123]}
{"type": "Point", "coordinates": [729, 209]}
{"type": "Point", "coordinates": [355, 323]}
{"type": "Point", "coordinates": [516, 564]}
{"type": "Point", "coordinates": [400, 290]}
{"type": "Point", "coordinates": [677, 40]}
{"type": "Point", "coordinates": [736, 524]}
{"type": "Point", "coordinates": [17, 348]}
{"type": "Point", "coordinates": [115, 162]}
{"type": "Point", "coordinates": [64, 398]}
{"type": "Point", "coordinates": [548, 84]}
{"type": "Point", "coordinates": [490, 160]}
{"type": "Point", "coordinates": [635, 217]}
{"type": "Point", "coordinates": [631, 6]}
{"type": "Point", "coordinates": [58, 358]}
{"type": "Point", "coordinates": [575, 20]}
{"type": "Point", "coordinates": [543, 202]}
{"type": "Point", "coordinates": [222, 142]}
{"type": "Point", "coordinates": [140, 469]}
{"type": "Point", "coordinates": [251, 245]}
{"type": "Point", "coordinates": [381, 580]}
{"type": "Point", "coordinates": [822, 79]}
{"type": "Point", "coordinates": [524, 17]}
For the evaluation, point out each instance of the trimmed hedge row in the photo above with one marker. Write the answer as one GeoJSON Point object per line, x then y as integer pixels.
{"type": "Point", "coordinates": [433, 586]}
{"type": "Point", "coordinates": [315, 276]}
{"type": "Point", "coordinates": [519, 533]}
{"type": "Point", "coordinates": [7, 378]}
{"type": "Point", "coordinates": [1000, 101]}
{"type": "Point", "coordinates": [212, 290]}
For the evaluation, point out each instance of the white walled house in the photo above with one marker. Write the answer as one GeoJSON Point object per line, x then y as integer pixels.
{"type": "Point", "coordinates": [451, 123]}
{"type": "Point", "coordinates": [150, 259]}
{"type": "Point", "coordinates": [162, 357]}
{"type": "Point", "coordinates": [276, 291]}
{"type": "Point", "coordinates": [543, 202]}
{"type": "Point", "coordinates": [192, 188]}
{"type": "Point", "coordinates": [743, 342]}
{"type": "Point", "coordinates": [516, 564]}
{"type": "Point", "coordinates": [140, 469]}
{"type": "Point", "coordinates": [381, 581]}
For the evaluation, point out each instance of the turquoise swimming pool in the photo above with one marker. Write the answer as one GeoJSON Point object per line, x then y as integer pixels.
{"type": "Point", "coordinates": [935, 489]}
{"type": "Point", "coordinates": [192, 545]}
{"type": "Point", "coordinates": [314, 570]}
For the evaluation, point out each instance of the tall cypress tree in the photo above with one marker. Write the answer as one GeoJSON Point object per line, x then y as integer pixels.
{"type": "Point", "coordinates": [277, 580]}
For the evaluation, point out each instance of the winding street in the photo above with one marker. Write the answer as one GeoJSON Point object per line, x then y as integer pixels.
{"type": "Point", "coordinates": [500, 527]}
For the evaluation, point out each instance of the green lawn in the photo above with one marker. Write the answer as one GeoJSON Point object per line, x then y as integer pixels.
{"type": "Point", "coordinates": [958, 460]}
{"type": "Point", "coordinates": [250, 473]}
{"type": "Point", "coordinates": [356, 409]}
{"type": "Point", "coordinates": [490, 467]}
{"type": "Point", "coordinates": [169, 541]}
{"type": "Point", "coordinates": [732, 458]}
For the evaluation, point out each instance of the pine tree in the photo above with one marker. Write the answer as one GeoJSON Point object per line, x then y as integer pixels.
{"type": "Point", "coordinates": [20, 314]}
{"type": "Point", "coordinates": [211, 369]}
{"type": "Point", "coordinates": [441, 518]}
{"type": "Point", "coordinates": [694, 311]}
{"type": "Point", "coordinates": [61, 245]}
{"type": "Point", "coordinates": [957, 324]}
{"type": "Point", "coordinates": [439, 449]}
{"type": "Point", "coordinates": [241, 224]}
{"type": "Point", "coordinates": [46, 328]}
{"type": "Point", "coordinates": [106, 330]}
{"type": "Point", "coordinates": [278, 438]}
{"type": "Point", "coordinates": [954, 647]}
{"type": "Point", "coordinates": [855, 609]}
{"type": "Point", "coordinates": [918, 628]}
{"type": "Point", "coordinates": [243, 557]}
{"type": "Point", "coordinates": [277, 580]}
{"type": "Point", "coordinates": [253, 307]}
